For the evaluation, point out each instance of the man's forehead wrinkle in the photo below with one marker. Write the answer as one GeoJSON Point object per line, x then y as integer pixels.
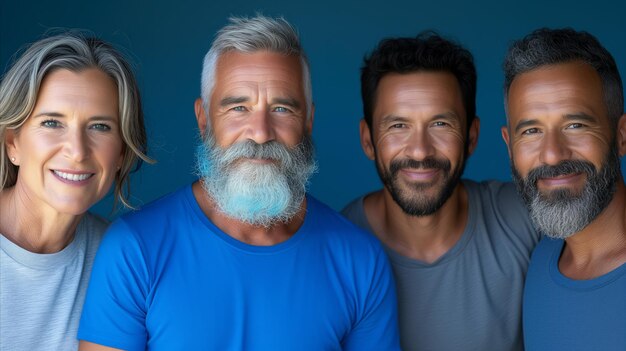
{"type": "Point", "coordinates": [538, 101]}
{"type": "Point", "coordinates": [253, 68]}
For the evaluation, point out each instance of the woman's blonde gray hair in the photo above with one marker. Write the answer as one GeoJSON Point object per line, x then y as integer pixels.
{"type": "Point", "coordinates": [73, 51]}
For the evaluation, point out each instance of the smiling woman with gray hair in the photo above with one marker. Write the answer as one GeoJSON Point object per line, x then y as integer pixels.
{"type": "Point", "coordinates": [71, 125]}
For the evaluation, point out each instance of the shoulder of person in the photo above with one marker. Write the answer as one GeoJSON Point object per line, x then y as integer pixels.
{"type": "Point", "coordinates": [340, 227]}
{"type": "Point", "coordinates": [503, 202]}
{"type": "Point", "coordinates": [159, 208]}
{"type": "Point", "coordinates": [498, 192]}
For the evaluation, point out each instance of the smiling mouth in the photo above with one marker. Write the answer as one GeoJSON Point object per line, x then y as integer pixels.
{"type": "Point", "coordinates": [561, 180]}
{"type": "Point", "coordinates": [73, 177]}
{"type": "Point", "coordinates": [420, 173]}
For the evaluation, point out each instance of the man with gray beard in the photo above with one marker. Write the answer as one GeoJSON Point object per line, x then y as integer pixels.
{"type": "Point", "coordinates": [566, 133]}
{"type": "Point", "coordinates": [244, 258]}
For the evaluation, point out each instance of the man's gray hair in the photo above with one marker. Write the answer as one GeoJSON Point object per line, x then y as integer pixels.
{"type": "Point", "coordinates": [545, 46]}
{"type": "Point", "coordinates": [249, 35]}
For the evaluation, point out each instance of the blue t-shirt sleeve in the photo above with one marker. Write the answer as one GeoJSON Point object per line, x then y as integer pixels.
{"type": "Point", "coordinates": [377, 326]}
{"type": "Point", "coordinates": [115, 307]}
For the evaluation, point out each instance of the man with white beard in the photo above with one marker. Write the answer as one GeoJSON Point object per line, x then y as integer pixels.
{"type": "Point", "coordinates": [244, 258]}
{"type": "Point", "coordinates": [566, 133]}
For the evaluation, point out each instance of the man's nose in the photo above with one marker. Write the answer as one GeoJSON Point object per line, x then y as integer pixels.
{"type": "Point", "coordinates": [419, 145]}
{"type": "Point", "coordinates": [260, 127]}
{"type": "Point", "coordinates": [554, 148]}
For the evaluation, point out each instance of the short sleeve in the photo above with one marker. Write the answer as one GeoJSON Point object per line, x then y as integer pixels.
{"type": "Point", "coordinates": [511, 208]}
{"type": "Point", "coordinates": [377, 328]}
{"type": "Point", "coordinates": [114, 312]}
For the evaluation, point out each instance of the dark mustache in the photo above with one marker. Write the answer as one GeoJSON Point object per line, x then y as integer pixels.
{"type": "Point", "coordinates": [427, 163]}
{"type": "Point", "coordinates": [563, 168]}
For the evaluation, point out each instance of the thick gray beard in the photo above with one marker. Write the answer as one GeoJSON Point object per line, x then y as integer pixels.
{"type": "Point", "coordinates": [562, 214]}
{"type": "Point", "coordinates": [272, 193]}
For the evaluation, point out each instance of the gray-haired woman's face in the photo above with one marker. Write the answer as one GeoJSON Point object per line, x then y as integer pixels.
{"type": "Point", "coordinates": [70, 147]}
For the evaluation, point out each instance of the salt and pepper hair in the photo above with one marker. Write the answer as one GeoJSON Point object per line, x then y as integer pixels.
{"type": "Point", "coordinates": [250, 35]}
{"type": "Point", "coordinates": [546, 46]}
{"type": "Point", "coordinates": [73, 51]}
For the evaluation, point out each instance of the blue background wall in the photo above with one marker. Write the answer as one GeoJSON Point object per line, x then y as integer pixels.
{"type": "Point", "coordinates": [167, 41]}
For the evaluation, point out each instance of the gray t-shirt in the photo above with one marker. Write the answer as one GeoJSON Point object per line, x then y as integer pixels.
{"type": "Point", "coordinates": [41, 295]}
{"type": "Point", "coordinates": [471, 297]}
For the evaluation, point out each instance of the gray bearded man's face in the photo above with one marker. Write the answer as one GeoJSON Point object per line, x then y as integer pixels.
{"type": "Point", "coordinates": [561, 213]}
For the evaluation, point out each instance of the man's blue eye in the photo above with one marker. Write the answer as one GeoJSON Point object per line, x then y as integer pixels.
{"type": "Point", "coordinates": [281, 109]}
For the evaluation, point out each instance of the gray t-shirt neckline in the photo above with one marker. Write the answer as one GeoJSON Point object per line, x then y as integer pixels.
{"type": "Point", "coordinates": [40, 261]}
{"type": "Point", "coordinates": [451, 254]}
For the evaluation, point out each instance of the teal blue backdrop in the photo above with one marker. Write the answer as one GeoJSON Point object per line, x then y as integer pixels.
{"type": "Point", "coordinates": [167, 41]}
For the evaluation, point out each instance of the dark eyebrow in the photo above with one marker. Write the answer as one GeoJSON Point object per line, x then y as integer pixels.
{"type": "Point", "coordinates": [581, 117]}
{"type": "Point", "coordinates": [524, 123]}
{"type": "Point", "coordinates": [572, 116]}
{"type": "Point", "coordinates": [448, 116]}
{"type": "Point", "coordinates": [232, 100]}
{"type": "Point", "coordinates": [291, 102]}
{"type": "Point", "coordinates": [393, 119]}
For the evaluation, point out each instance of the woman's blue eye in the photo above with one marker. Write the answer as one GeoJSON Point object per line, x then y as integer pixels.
{"type": "Point", "coordinates": [101, 127]}
{"type": "Point", "coordinates": [50, 123]}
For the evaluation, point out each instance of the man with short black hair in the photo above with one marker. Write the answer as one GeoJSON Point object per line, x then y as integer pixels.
{"type": "Point", "coordinates": [459, 249]}
{"type": "Point", "coordinates": [566, 133]}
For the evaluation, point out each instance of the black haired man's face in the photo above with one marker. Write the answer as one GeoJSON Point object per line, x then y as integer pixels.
{"type": "Point", "coordinates": [418, 139]}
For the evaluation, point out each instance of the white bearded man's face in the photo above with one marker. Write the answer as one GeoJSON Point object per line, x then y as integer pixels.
{"type": "Point", "coordinates": [257, 155]}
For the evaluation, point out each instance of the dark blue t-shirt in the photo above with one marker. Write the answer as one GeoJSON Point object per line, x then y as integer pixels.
{"type": "Point", "coordinates": [166, 278]}
{"type": "Point", "coordinates": [566, 314]}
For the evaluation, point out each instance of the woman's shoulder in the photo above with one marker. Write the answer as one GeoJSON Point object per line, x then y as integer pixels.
{"type": "Point", "coordinates": [92, 228]}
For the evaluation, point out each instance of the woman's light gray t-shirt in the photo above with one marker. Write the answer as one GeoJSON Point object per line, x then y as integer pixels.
{"type": "Point", "coordinates": [41, 295]}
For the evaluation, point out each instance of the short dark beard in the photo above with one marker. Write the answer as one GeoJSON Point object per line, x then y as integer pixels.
{"type": "Point", "coordinates": [562, 213]}
{"type": "Point", "coordinates": [413, 203]}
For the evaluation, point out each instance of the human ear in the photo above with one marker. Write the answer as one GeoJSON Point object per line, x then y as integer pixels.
{"type": "Point", "coordinates": [474, 131]}
{"type": "Point", "coordinates": [505, 137]}
{"type": "Point", "coordinates": [366, 140]}
{"type": "Point", "coordinates": [200, 115]}
{"type": "Point", "coordinates": [621, 135]}
{"type": "Point", "coordinates": [309, 122]}
{"type": "Point", "coordinates": [12, 146]}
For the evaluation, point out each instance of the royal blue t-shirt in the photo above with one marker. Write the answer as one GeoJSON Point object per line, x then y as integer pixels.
{"type": "Point", "coordinates": [560, 313]}
{"type": "Point", "coordinates": [166, 278]}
